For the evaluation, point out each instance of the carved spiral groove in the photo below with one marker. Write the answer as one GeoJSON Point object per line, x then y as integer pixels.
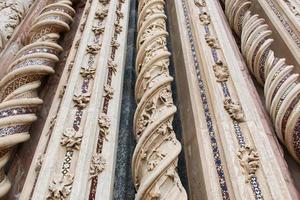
{"type": "Point", "coordinates": [18, 89]}
{"type": "Point", "coordinates": [156, 154]}
{"type": "Point", "coordinates": [281, 83]}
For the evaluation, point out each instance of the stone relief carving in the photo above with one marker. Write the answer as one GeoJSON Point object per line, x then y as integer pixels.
{"type": "Point", "coordinates": [81, 100]}
{"type": "Point", "coordinates": [212, 41]}
{"type": "Point", "coordinates": [71, 139]}
{"type": "Point", "coordinates": [98, 165]}
{"type": "Point", "coordinates": [18, 88]}
{"type": "Point", "coordinates": [101, 14]}
{"type": "Point", "coordinates": [234, 110]}
{"type": "Point", "coordinates": [104, 124]}
{"type": "Point", "coordinates": [221, 71]}
{"type": "Point", "coordinates": [200, 3]}
{"type": "Point", "coordinates": [88, 73]}
{"type": "Point", "coordinates": [112, 66]}
{"type": "Point", "coordinates": [153, 118]}
{"type": "Point", "coordinates": [11, 14]}
{"type": "Point", "coordinates": [93, 48]}
{"type": "Point", "coordinates": [108, 92]}
{"type": "Point", "coordinates": [98, 30]}
{"type": "Point", "coordinates": [281, 84]}
{"type": "Point", "coordinates": [249, 161]}
{"type": "Point", "coordinates": [204, 18]}
{"type": "Point", "coordinates": [61, 187]}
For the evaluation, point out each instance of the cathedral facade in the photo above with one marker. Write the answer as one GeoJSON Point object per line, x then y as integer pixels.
{"type": "Point", "coordinates": [149, 99]}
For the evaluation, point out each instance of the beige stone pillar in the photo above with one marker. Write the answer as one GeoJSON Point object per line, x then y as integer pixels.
{"type": "Point", "coordinates": [155, 157]}
{"type": "Point", "coordinates": [18, 88]}
{"type": "Point", "coordinates": [76, 154]}
{"type": "Point", "coordinates": [231, 152]}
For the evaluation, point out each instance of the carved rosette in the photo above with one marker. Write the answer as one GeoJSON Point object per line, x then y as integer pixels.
{"type": "Point", "coordinates": [18, 89]}
{"type": "Point", "coordinates": [281, 83]}
{"type": "Point", "coordinates": [156, 154]}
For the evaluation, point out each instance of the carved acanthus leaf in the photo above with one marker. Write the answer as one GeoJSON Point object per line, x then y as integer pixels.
{"type": "Point", "coordinates": [154, 159]}
{"type": "Point", "coordinates": [212, 41]}
{"type": "Point", "coordinates": [88, 73]}
{"type": "Point", "coordinates": [114, 44]}
{"type": "Point", "coordinates": [108, 92]}
{"type": "Point", "coordinates": [112, 66]}
{"type": "Point", "coordinates": [81, 100]}
{"type": "Point", "coordinates": [71, 139]}
{"type": "Point", "coordinates": [234, 110]}
{"type": "Point", "coordinates": [98, 165]}
{"type": "Point", "coordinates": [204, 18]}
{"type": "Point", "coordinates": [221, 71]}
{"type": "Point", "coordinates": [249, 161]}
{"type": "Point", "coordinates": [101, 14]}
{"type": "Point", "coordinates": [98, 30]}
{"type": "Point", "coordinates": [93, 48]}
{"type": "Point", "coordinates": [200, 3]}
{"type": "Point", "coordinates": [60, 187]}
{"type": "Point", "coordinates": [104, 124]}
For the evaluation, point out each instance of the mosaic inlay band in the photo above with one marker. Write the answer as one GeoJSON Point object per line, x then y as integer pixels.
{"type": "Point", "coordinates": [238, 131]}
{"type": "Point", "coordinates": [19, 86]}
{"type": "Point", "coordinates": [281, 84]}
{"type": "Point", "coordinates": [208, 115]}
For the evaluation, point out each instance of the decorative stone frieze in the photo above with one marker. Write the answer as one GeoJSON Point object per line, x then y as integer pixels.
{"type": "Point", "coordinates": [18, 99]}
{"type": "Point", "coordinates": [89, 109]}
{"type": "Point", "coordinates": [217, 135]}
{"type": "Point", "coordinates": [157, 148]}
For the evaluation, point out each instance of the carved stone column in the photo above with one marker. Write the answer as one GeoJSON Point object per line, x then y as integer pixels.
{"type": "Point", "coordinates": [229, 147]}
{"type": "Point", "coordinates": [281, 84]}
{"type": "Point", "coordinates": [18, 89]}
{"type": "Point", "coordinates": [12, 13]}
{"type": "Point", "coordinates": [76, 154]}
{"type": "Point", "coordinates": [156, 154]}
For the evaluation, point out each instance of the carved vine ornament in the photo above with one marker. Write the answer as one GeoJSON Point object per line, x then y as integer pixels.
{"type": "Point", "coordinates": [18, 89]}
{"type": "Point", "coordinates": [11, 15]}
{"type": "Point", "coordinates": [156, 154]}
{"type": "Point", "coordinates": [281, 83]}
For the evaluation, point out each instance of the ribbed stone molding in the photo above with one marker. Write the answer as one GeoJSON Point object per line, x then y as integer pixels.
{"type": "Point", "coordinates": [12, 13]}
{"type": "Point", "coordinates": [281, 84]}
{"type": "Point", "coordinates": [18, 89]}
{"type": "Point", "coordinates": [156, 154]}
{"type": "Point", "coordinates": [76, 154]}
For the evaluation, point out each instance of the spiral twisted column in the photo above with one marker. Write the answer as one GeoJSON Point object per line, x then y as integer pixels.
{"type": "Point", "coordinates": [18, 89]}
{"type": "Point", "coordinates": [156, 154]}
{"type": "Point", "coordinates": [281, 83]}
